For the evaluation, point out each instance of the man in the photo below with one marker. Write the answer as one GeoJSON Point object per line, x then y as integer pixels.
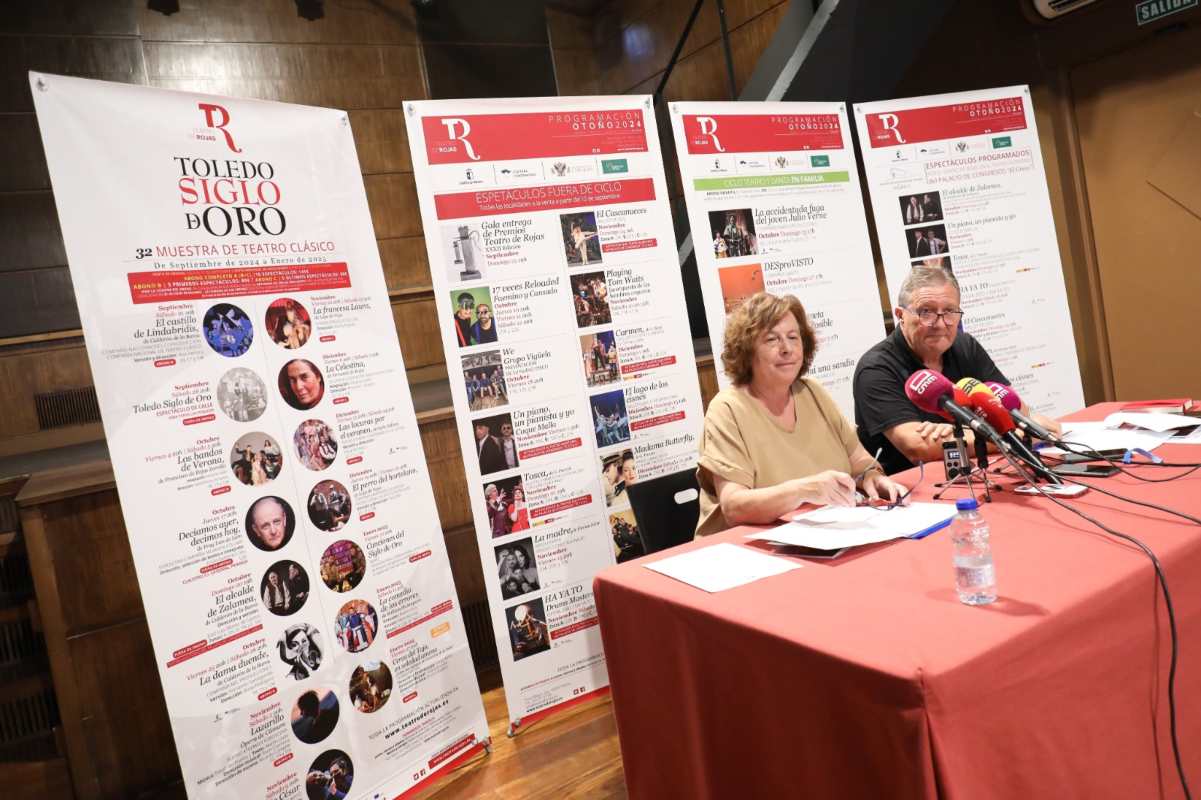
{"type": "Point", "coordinates": [920, 246]}
{"type": "Point", "coordinates": [317, 719]}
{"type": "Point", "coordinates": [483, 331]}
{"type": "Point", "coordinates": [303, 385]}
{"type": "Point", "coordinates": [926, 336]}
{"type": "Point", "coordinates": [508, 444]}
{"type": "Point", "coordinates": [268, 527]}
{"type": "Point", "coordinates": [463, 319]}
{"type": "Point", "coordinates": [492, 458]}
{"type": "Point", "coordinates": [937, 245]}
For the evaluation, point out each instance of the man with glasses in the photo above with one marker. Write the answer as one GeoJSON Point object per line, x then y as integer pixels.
{"type": "Point", "coordinates": [927, 336]}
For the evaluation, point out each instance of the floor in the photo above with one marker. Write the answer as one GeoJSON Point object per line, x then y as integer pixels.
{"type": "Point", "coordinates": [573, 753]}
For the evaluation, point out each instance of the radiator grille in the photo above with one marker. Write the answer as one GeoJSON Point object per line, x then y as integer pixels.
{"type": "Point", "coordinates": [480, 636]}
{"type": "Point", "coordinates": [67, 407]}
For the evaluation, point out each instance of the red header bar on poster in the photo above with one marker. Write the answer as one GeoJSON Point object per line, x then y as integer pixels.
{"type": "Point", "coordinates": [498, 137]}
{"type": "Point", "coordinates": [207, 284]}
{"type": "Point", "coordinates": [526, 199]}
{"type": "Point", "coordinates": [761, 133]}
{"type": "Point", "coordinates": [892, 128]}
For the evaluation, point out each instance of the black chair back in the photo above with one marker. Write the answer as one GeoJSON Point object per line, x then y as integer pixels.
{"type": "Point", "coordinates": [666, 508]}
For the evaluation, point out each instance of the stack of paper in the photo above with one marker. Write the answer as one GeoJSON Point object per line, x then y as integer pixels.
{"type": "Point", "coordinates": [721, 566]}
{"type": "Point", "coordinates": [1102, 436]}
{"type": "Point", "coordinates": [833, 528]}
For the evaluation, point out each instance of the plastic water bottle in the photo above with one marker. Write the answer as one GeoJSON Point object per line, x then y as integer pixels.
{"type": "Point", "coordinates": [975, 575]}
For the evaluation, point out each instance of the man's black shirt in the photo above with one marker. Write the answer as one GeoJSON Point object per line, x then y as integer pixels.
{"type": "Point", "coordinates": [879, 387]}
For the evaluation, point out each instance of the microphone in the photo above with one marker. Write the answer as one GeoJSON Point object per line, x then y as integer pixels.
{"type": "Point", "coordinates": [1013, 404]}
{"type": "Point", "coordinates": [931, 391]}
{"type": "Point", "coordinates": [982, 400]}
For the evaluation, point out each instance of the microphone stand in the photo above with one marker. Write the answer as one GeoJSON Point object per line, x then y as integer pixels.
{"type": "Point", "coordinates": [966, 476]}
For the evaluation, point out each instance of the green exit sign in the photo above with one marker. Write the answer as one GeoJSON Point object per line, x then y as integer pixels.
{"type": "Point", "coordinates": [1152, 10]}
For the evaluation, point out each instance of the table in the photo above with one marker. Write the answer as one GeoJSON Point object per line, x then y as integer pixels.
{"type": "Point", "coordinates": [865, 677]}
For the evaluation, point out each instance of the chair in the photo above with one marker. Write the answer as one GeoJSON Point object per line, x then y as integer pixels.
{"type": "Point", "coordinates": [666, 509]}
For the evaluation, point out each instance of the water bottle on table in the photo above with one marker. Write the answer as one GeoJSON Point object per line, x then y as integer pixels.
{"type": "Point", "coordinates": [975, 576]}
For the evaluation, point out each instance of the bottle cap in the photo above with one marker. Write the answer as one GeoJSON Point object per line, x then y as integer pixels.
{"type": "Point", "coordinates": [966, 504]}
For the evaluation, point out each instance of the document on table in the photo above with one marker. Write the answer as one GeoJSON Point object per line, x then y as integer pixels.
{"type": "Point", "coordinates": [1098, 436]}
{"type": "Point", "coordinates": [721, 566]}
{"type": "Point", "coordinates": [833, 527]}
{"type": "Point", "coordinates": [1151, 422]}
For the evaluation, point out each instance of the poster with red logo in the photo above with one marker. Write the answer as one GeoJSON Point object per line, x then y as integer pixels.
{"type": "Point", "coordinates": [569, 354]}
{"type": "Point", "coordinates": [270, 470]}
{"type": "Point", "coordinates": [774, 206]}
{"type": "Point", "coordinates": [957, 181]}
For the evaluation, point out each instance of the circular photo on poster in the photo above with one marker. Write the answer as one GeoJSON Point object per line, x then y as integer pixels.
{"type": "Point", "coordinates": [370, 686]}
{"type": "Point", "coordinates": [288, 323]}
{"type": "Point", "coordinates": [242, 395]}
{"type": "Point", "coordinates": [329, 506]}
{"type": "Point", "coordinates": [284, 588]}
{"type": "Point", "coordinates": [314, 715]}
{"type": "Point", "coordinates": [343, 565]}
{"type": "Point", "coordinates": [330, 776]}
{"type": "Point", "coordinates": [228, 330]}
{"type": "Point", "coordinates": [356, 625]}
{"type": "Point", "coordinates": [255, 459]}
{"type": "Point", "coordinates": [270, 523]}
{"type": "Point", "coordinates": [301, 649]}
{"type": "Point", "coordinates": [301, 384]}
{"type": "Point", "coordinates": [316, 444]}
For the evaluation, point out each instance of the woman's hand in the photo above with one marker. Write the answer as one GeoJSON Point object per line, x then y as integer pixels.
{"type": "Point", "coordinates": [880, 487]}
{"type": "Point", "coordinates": [831, 487]}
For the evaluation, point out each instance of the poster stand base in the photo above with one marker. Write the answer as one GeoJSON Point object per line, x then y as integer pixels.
{"type": "Point", "coordinates": [484, 746]}
{"type": "Point", "coordinates": [520, 723]}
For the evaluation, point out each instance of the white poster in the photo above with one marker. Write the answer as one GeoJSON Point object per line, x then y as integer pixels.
{"type": "Point", "coordinates": [774, 205]}
{"type": "Point", "coordinates": [957, 180]}
{"type": "Point", "coordinates": [266, 451]}
{"type": "Point", "coordinates": [570, 359]}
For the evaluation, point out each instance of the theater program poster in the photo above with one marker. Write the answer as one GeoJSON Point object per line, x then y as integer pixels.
{"type": "Point", "coordinates": [774, 205]}
{"type": "Point", "coordinates": [280, 514]}
{"type": "Point", "coordinates": [569, 355]}
{"type": "Point", "coordinates": [957, 180]}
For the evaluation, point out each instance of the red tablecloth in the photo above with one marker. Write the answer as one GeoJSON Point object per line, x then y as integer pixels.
{"type": "Point", "coordinates": [866, 677]}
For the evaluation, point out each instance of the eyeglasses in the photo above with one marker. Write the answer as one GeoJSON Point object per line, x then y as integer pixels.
{"type": "Point", "coordinates": [929, 315]}
{"type": "Point", "coordinates": [921, 474]}
{"type": "Point", "coordinates": [776, 341]}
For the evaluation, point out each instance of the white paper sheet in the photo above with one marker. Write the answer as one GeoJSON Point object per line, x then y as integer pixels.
{"type": "Point", "coordinates": [722, 566]}
{"type": "Point", "coordinates": [832, 528]}
{"type": "Point", "coordinates": [1098, 436]}
{"type": "Point", "coordinates": [1151, 422]}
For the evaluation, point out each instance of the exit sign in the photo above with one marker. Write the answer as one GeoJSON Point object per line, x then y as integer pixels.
{"type": "Point", "coordinates": [1152, 10]}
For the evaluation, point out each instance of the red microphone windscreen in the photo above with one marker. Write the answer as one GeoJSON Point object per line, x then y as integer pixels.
{"type": "Point", "coordinates": [925, 388]}
{"type": "Point", "coordinates": [1008, 397]}
{"type": "Point", "coordinates": [981, 400]}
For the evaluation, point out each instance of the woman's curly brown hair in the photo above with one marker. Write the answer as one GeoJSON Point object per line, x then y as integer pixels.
{"type": "Point", "coordinates": [760, 312]}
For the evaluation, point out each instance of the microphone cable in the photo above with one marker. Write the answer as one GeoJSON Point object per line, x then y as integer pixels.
{"type": "Point", "coordinates": [1163, 585]}
{"type": "Point", "coordinates": [1071, 447]}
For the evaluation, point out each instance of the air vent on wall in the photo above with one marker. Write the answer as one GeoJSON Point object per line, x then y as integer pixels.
{"type": "Point", "coordinates": [67, 407]}
{"type": "Point", "coordinates": [1053, 9]}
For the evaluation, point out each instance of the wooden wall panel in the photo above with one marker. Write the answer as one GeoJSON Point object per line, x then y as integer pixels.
{"type": "Point", "coordinates": [25, 373]}
{"type": "Point", "coordinates": [71, 17]}
{"type": "Point", "coordinates": [29, 232]}
{"type": "Point", "coordinates": [334, 76]}
{"type": "Point", "coordinates": [108, 59]}
{"type": "Point", "coordinates": [22, 160]}
{"type": "Point", "coordinates": [406, 266]}
{"type": "Point", "coordinates": [445, 459]}
{"type": "Point", "coordinates": [32, 301]}
{"type": "Point", "coordinates": [393, 201]}
{"type": "Point", "coordinates": [381, 140]}
{"type": "Point", "coordinates": [417, 327]}
{"type": "Point", "coordinates": [375, 22]}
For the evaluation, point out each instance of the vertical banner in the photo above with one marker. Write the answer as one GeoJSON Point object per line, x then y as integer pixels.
{"type": "Point", "coordinates": [957, 181]}
{"type": "Point", "coordinates": [568, 348]}
{"type": "Point", "coordinates": [774, 205]}
{"type": "Point", "coordinates": [266, 451]}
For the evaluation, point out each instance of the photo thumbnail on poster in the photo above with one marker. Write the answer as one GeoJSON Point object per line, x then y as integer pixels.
{"type": "Point", "coordinates": [528, 634]}
{"type": "Point", "coordinates": [484, 380]}
{"type": "Point", "coordinates": [517, 569]}
{"type": "Point", "coordinates": [507, 509]}
{"type": "Point", "coordinates": [288, 323]}
{"type": "Point", "coordinates": [473, 320]}
{"type": "Point", "coordinates": [733, 233]}
{"type": "Point", "coordinates": [495, 446]}
{"type": "Point", "coordinates": [581, 241]}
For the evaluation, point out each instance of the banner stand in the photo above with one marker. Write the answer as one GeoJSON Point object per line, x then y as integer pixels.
{"type": "Point", "coordinates": [519, 724]}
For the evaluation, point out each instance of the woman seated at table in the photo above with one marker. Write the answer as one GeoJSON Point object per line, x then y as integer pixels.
{"type": "Point", "coordinates": [775, 439]}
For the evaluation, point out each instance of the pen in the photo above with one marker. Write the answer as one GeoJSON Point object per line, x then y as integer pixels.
{"type": "Point", "coordinates": [875, 464]}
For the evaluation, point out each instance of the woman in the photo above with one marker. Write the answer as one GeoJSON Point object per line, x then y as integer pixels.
{"type": "Point", "coordinates": [525, 564]}
{"type": "Point", "coordinates": [775, 439]}
{"type": "Point", "coordinates": [519, 515]}
{"type": "Point", "coordinates": [913, 211]}
{"type": "Point", "coordinates": [300, 651]}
